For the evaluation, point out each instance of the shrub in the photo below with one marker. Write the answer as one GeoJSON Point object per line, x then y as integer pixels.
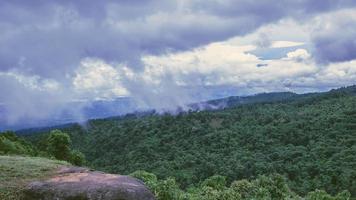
{"type": "Point", "coordinates": [59, 145]}
{"type": "Point", "coordinates": [77, 158]}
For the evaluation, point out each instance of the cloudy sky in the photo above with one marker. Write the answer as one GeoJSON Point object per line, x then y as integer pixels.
{"type": "Point", "coordinates": [167, 53]}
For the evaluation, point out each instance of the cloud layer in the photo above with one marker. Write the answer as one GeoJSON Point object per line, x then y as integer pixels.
{"type": "Point", "coordinates": [51, 37]}
{"type": "Point", "coordinates": [168, 53]}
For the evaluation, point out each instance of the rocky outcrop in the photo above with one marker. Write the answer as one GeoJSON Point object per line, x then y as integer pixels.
{"type": "Point", "coordinates": [74, 183]}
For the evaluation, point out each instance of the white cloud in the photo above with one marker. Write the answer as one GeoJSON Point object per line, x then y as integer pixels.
{"type": "Point", "coordinates": [29, 97]}
{"type": "Point", "coordinates": [222, 63]}
{"type": "Point", "coordinates": [299, 55]}
{"type": "Point", "coordinates": [225, 63]}
{"type": "Point", "coordinates": [98, 80]}
{"type": "Point", "coordinates": [284, 33]}
{"type": "Point", "coordinates": [282, 44]}
{"type": "Point", "coordinates": [219, 64]}
{"type": "Point", "coordinates": [32, 81]}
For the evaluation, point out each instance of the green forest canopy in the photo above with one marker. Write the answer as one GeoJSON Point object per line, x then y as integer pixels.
{"type": "Point", "coordinates": [309, 139]}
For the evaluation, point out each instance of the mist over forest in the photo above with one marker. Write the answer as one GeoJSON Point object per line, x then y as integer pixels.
{"type": "Point", "coordinates": [178, 100]}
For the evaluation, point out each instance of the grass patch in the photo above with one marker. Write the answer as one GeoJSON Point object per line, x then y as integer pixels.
{"type": "Point", "coordinates": [17, 171]}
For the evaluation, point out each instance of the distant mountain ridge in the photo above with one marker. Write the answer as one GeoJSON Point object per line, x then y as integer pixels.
{"type": "Point", "coordinates": [109, 109]}
{"type": "Point", "coordinates": [126, 106]}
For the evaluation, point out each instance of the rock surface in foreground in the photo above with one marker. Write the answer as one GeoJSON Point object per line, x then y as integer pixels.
{"type": "Point", "coordinates": [81, 184]}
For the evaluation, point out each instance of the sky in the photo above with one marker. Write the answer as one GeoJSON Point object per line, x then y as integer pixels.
{"type": "Point", "coordinates": [165, 54]}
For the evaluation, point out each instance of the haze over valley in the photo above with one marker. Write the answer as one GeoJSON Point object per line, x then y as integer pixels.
{"type": "Point", "coordinates": [178, 100]}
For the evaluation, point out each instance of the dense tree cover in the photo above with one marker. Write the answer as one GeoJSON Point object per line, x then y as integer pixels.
{"type": "Point", "coordinates": [309, 139]}
{"type": "Point", "coordinates": [273, 187]}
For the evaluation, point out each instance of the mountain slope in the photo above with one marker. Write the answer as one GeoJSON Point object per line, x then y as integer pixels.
{"type": "Point", "coordinates": [308, 138]}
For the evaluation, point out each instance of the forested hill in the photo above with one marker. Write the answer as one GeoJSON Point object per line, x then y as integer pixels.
{"type": "Point", "coordinates": [310, 139]}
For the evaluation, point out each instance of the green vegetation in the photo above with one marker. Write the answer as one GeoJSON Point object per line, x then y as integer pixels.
{"type": "Point", "coordinates": [17, 171]}
{"type": "Point", "coordinates": [308, 139]}
{"type": "Point", "coordinates": [55, 145]}
{"type": "Point", "coordinates": [272, 187]}
{"type": "Point", "coordinates": [58, 145]}
{"type": "Point", "coordinates": [11, 144]}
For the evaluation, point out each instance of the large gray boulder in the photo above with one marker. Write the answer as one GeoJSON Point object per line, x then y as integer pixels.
{"type": "Point", "coordinates": [73, 183]}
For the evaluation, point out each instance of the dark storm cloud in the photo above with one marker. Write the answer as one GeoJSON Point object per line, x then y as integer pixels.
{"type": "Point", "coordinates": [336, 40]}
{"type": "Point", "coordinates": [331, 48]}
{"type": "Point", "coordinates": [49, 38]}
{"type": "Point", "coordinates": [269, 10]}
